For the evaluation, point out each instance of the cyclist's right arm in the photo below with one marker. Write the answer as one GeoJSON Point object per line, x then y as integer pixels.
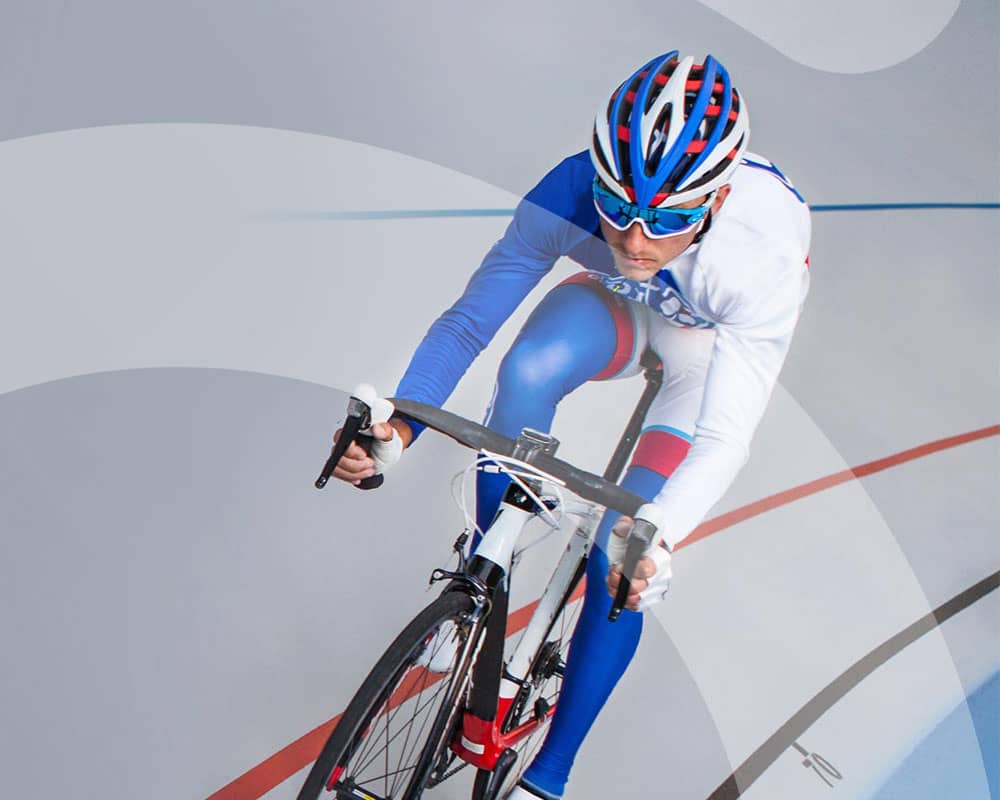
{"type": "Point", "coordinates": [554, 217]}
{"type": "Point", "coordinates": [542, 230]}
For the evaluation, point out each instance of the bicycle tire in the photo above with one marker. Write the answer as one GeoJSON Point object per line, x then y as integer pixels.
{"type": "Point", "coordinates": [396, 727]}
{"type": "Point", "coordinates": [548, 685]}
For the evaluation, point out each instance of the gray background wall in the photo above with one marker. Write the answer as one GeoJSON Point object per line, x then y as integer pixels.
{"type": "Point", "coordinates": [179, 604]}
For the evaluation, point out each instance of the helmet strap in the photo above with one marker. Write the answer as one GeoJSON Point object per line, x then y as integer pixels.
{"type": "Point", "coordinates": [705, 225]}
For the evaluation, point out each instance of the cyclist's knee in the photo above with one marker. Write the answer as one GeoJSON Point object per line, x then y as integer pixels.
{"type": "Point", "coordinates": [569, 339]}
{"type": "Point", "coordinates": [540, 367]}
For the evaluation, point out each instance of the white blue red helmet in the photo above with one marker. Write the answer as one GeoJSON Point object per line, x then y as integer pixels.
{"type": "Point", "coordinates": [674, 131]}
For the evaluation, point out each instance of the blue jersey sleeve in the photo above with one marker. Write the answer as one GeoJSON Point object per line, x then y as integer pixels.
{"type": "Point", "coordinates": [546, 225]}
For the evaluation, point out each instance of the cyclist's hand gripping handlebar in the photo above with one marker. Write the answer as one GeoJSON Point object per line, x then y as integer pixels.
{"type": "Point", "coordinates": [359, 418]}
{"type": "Point", "coordinates": [640, 539]}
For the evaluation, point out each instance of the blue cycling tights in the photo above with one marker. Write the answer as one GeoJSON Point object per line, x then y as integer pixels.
{"type": "Point", "coordinates": [571, 337]}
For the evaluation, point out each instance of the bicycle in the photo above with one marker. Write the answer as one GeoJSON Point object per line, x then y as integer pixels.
{"type": "Point", "coordinates": [443, 696]}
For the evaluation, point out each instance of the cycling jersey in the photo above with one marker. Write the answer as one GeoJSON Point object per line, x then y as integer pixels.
{"type": "Point", "coordinates": [746, 280]}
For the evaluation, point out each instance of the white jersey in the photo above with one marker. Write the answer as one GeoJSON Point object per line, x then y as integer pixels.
{"type": "Point", "coordinates": [749, 276]}
{"type": "Point", "coordinates": [745, 281]}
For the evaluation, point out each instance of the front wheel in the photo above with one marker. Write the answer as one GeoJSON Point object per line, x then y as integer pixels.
{"type": "Point", "coordinates": [392, 741]}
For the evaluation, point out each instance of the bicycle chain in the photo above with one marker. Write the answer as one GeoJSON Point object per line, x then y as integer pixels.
{"type": "Point", "coordinates": [462, 765]}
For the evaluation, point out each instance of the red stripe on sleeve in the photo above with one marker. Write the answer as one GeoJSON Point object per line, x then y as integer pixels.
{"type": "Point", "coordinates": [660, 451]}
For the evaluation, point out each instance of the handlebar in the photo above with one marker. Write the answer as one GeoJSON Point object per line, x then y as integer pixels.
{"type": "Point", "coordinates": [478, 437]}
{"type": "Point", "coordinates": [586, 484]}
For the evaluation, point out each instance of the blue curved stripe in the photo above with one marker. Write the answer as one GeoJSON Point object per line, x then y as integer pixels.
{"type": "Point", "coordinates": [947, 762]}
{"type": "Point", "coordinates": [404, 213]}
{"type": "Point", "coordinates": [616, 108]}
{"type": "Point", "coordinates": [687, 437]}
{"type": "Point", "coordinates": [645, 187]}
{"type": "Point", "coordinates": [718, 72]}
{"type": "Point", "coordinates": [447, 213]}
{"type": "Point", "coordinates": [679, 148]}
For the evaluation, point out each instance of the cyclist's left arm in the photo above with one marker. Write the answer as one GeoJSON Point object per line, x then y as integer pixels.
{"type": "Point", "coordinates": [754, 330]}
{"type": "Point", "coordinates": [753, 333]}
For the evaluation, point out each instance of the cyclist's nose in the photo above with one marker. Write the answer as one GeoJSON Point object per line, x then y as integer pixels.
{"type": "Point", "coordinates": [635, 236]}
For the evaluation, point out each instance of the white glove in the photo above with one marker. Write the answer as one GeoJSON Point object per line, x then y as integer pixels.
{"type": "Point", "coordinates": [659, 583]}
{"type": "Point", "coordinates": [385, 453]}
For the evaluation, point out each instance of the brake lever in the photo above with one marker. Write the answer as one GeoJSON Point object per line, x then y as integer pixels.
{"type": "Point", "coordinates": [359, 417]}
{"type": "Point", "coordinates": [640, 538]}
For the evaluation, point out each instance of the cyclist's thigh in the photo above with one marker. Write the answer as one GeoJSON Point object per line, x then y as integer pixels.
{"type": "Point", "coordinates": [579, 332]}
{"type": "Point", "coordinates": [576, 334]}
{"type": "Point", "coordinates": [624, 326]}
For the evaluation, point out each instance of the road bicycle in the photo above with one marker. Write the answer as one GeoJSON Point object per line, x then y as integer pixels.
{"type": "Point", "coordinates": [443, 695]}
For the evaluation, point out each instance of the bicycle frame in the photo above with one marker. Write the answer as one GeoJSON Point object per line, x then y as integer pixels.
{"type": "Point", "coordinates": [474, 720]}
{"type": "Point", "coordinates": [481, 740]}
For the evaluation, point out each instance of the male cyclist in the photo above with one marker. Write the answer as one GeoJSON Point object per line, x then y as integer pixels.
{"type": "Point", "coordinates": [693, 248]}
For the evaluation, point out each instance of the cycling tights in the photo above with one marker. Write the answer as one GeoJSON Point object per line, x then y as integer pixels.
{"type": "Point", "coordinates": [577, 333]}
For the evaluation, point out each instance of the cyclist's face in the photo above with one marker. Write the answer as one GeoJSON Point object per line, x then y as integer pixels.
{"type": "Point", "coordinates": [638, 257]}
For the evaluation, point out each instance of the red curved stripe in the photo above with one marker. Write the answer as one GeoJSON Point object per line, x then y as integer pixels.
{"type": "Point", "coordinates": [737, 515]}
{"type": "Point", "coordinates": [259, 780]}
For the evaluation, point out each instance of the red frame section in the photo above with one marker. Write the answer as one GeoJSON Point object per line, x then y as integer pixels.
{"type": "Point", "coordinates": [486, 734]}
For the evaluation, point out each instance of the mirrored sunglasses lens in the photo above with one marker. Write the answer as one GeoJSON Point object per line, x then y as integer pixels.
{"type": "Point", "coordinates": [611, 209]}
{"type": "Point", "coordinates": [667, 227]}
{"type": "Point", "coordinates": [667, 223]}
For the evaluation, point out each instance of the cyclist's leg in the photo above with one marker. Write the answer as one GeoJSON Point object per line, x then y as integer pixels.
{"type": "Point", "coordinates": [599, 655]}
{"type": "Point", "coordinates": [601, 651]}
{"type": "Point", "coordinates": [577, 333]}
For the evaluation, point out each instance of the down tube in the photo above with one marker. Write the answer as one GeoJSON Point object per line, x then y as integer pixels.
{"type": "Point", "coordinates": [549, 605]}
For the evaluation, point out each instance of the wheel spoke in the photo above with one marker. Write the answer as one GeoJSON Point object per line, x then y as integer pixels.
{"type": "Point", "coordinates": [369, 756]}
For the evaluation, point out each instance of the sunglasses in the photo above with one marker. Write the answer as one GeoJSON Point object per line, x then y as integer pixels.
{"type": "Point", "coordinates": [657, 223]}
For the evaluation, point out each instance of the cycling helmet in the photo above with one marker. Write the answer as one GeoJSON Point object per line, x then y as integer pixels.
{"type": "Point", "coordinates": [688, 136]}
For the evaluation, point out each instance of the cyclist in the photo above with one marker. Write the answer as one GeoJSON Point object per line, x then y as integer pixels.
{"type": "Point", "coordinates": [691, 247]}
